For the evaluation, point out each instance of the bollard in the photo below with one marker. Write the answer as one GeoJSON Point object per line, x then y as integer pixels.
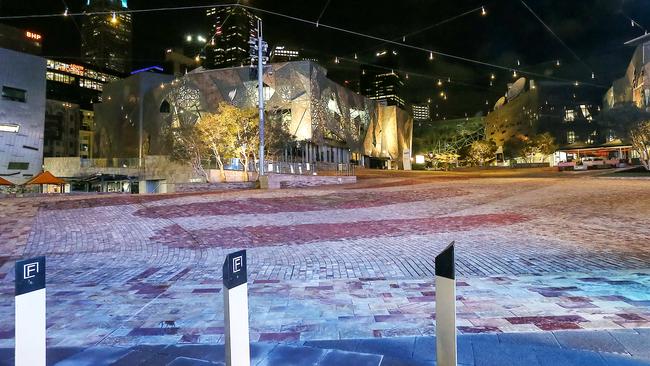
{"type": "Point", "coordinates": [446, 307]}
{"type": "Point", "coordinates": [30, 312]}
{"type": "Point", "coordinates": [235, 306]}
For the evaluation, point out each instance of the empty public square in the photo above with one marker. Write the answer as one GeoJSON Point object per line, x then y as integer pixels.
{"type": "Point", "coordinates": [536, 252]}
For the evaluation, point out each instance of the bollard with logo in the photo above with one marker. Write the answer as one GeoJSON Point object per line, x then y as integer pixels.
{"type": "Point", "coordinates": [30, 312]}
{"type": "Point", "coordinates": [235, 298]}
{"type": "Point", "coordinates": [446, 353]}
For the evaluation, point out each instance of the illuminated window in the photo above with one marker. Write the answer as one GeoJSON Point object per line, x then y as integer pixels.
{"type": "Point", "coordinates": [571, 137]}
{"type": "Point", "coordinates": [569, 115]}
{"type": "Point", "coordinates": [9, 127]}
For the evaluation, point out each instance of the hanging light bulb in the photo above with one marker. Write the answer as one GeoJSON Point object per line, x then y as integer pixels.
{"type": "Point", "coordinates": [403, 38]}
{"type": "Point", "coordinates": [442, 94]}
{"type": "Point", "coordinates": [197, 58]}
{"type": "Point", "coordinates": [557, 63]}
{"type": "Point", "coordinates": [518, 63]}
{"type": "Point", "coordinates": [363, 72]}
{"type": "Point", "coordinates": [336, 60]}
{"type": "Point", "coordinates": [430, 56]}
{"type": "Point", "coordinates": [114, 18]}
{"type": "Point", "coordinates": [593, 76]}
{"type": "Point", "coordinates": [491, 84]}
{"type": "Point", "coordinates": [65, 12]}
{"type": "Point", "coordinates": [483, 11]}
{"type": "Point", "coordinates": [449, 80]}
{"type": "Point", "coordinates": [439, 83]}
{"type": "Point", "coordinates": [445, 97]}
{"type": "Point", "coordinates": [632, 21]}
{"type": "Point", "coordinates": [514, 73]}
{"type": "Point", "coordinates": [355, 56]}
{"type": "Point", "coordinates": [486, 102]}
{"type": "Point", "coordinates": [407, 76]}
{"type": "Point", "coordinates": [429, 100]}
{"type": "Point", "coordinates": [492, 77]}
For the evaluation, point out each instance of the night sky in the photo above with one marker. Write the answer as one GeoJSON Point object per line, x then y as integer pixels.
{"type": "Point", "coordinates": [594, 29]}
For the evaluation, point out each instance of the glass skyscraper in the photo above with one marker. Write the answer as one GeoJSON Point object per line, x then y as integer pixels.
{"type": "Point", "coordinates": [106, 38]}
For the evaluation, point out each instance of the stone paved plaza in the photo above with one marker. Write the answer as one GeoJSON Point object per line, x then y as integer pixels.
{"type": "Point", "coordinates": [536, 251]}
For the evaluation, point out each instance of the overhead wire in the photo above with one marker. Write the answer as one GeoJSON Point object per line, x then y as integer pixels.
{"type": "Point", "coordinates": [575, 55]}
{"type": "Point", "coordinates": [437, 24]}
{"type": "Point", "coordinates": [306, 21]}
{"type": "Point", "coordinates": [444, 54]}
{"type": "Point", "coordinates": [323, 11]}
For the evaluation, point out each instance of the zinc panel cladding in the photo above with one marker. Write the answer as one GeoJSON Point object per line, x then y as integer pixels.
{"type": "Point", "coordinates": [25, 72]}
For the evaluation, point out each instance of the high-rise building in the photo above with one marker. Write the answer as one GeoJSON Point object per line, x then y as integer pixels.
{"type": "Point", "coordinates": [284, 54]}
{"type": "Point", "coordinates": [72, 90]}
{"type": "Point", "coordinates": [380, 81]}
{"type": "Point", "coordinates": [421, 112]}
{"type": "Point", "coordinates": [20, 40]}
{"type": "Point", "coordinates": [106, 37]}
{"type": "Point", "coordinates": [230, 30]}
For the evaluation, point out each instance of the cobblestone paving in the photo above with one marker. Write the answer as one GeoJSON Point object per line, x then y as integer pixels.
{"type": "Point", "coordinates": [533, 254]}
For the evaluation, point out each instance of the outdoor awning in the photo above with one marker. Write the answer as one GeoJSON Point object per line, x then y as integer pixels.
{"type": "Point", "coordinates": [4, 182]}
{"type": "Point", "coordinates": [45, 178]}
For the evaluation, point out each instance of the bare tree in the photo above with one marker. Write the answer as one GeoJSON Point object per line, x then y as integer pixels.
{"type": "Point", "coordinates": [186, 143]}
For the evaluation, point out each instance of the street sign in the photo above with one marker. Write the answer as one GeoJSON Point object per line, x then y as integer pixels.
{"type": "Point", "coordinates": [234, 269]}
{"type": "Point", "coordinates": [30, 312]}
{"type": "Point", "coordinates": [446, 350]}
{"type": "Point", "coordinates": [235, 305]}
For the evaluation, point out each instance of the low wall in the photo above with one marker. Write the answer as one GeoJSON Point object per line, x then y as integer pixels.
{"type": "Point", "coordinates": [277, 181]}
{"type": "Point", "coordinates": [200, 187]}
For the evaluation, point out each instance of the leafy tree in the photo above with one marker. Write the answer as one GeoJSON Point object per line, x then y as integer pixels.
{"type": "Point", "coordinates": [515, 147]}
{"type": "Point", "coordinates": [521, 146]}
{"type": "Point", "coordinates": [544, 144]}
{"type": "Point", "coordinates": [481, 151]}
{"type": "Point", "coordinates": [218, 133]}
{"type": "Point", "coordinates": [630, 123]}
{"type": "Point", "coordinates": [640, 136]}
{"type": "Point", "coordinates": [277, 137]}
{"type": "Point", "coordinates": [446, 159]}
{"type": "Point", "coordinates": [622, 120]}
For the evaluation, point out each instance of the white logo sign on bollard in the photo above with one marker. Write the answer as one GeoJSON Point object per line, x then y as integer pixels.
{"type": "Point", "coordinates": [30, 312]}
{"type": "Point", "coordinates": [446, 351]}
{"type": "Point", "coordinates": [235, 304]}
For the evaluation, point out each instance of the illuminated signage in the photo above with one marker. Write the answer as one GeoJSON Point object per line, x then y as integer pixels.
{"type": "Point", "coordinates": [34, 36]}
{"type": "Point", "coordinates": [9, 127]}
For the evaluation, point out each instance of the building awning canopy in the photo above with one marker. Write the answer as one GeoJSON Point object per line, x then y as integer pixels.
{"type": "Point", "coordinates": [45, 178]}
{"type": "Point", "coordinates": [4, 182]}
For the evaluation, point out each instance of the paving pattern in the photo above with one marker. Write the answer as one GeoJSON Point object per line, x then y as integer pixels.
{"type": "Point", "coordinates": [533, 254]}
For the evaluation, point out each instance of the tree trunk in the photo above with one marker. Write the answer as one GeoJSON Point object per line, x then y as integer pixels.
{"type": "Point", "coordinates": [245, 160]}
{"type": "Point", "coordinates": [222, 173]}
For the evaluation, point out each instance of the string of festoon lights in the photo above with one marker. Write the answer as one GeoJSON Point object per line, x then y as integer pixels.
{"type": "Point", "coordinates": [431, 53]}
{"type": "Point", "coordinates": [429, 27]}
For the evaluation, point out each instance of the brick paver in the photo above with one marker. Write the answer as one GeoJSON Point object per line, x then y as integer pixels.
{"type": "Point", "coordinates": [533, 253]}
